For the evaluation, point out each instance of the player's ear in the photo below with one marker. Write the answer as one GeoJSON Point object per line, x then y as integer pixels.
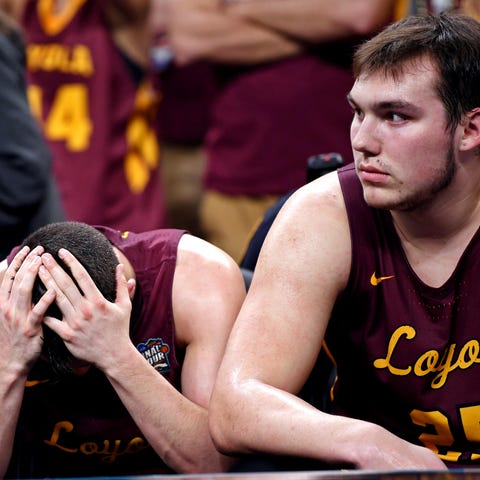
{"type": "Point", "coordinates": [131, 287]}
{"type": "Point", "coordinates": [471, 130]}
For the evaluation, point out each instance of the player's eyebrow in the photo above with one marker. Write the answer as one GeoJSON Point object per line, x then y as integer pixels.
{"type": "Point", "coordinates": [387, 104]}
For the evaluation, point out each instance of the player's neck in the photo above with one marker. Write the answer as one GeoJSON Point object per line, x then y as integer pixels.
{"type": "Point", "coordinates": [452, 212]}
{"type": "Point", "coordinates": [435, 238]}
{"type": "Point", "coordinates": [59, 6]}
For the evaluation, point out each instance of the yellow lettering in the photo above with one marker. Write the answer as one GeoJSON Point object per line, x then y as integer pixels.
{"type": "Point", "coordinates": [430, 360]}
{"type": "Point", "coordinates": [82, 62]}
{"type": "Point", "coordinates": [55, 59]}
{"type": "Point", "coordinates": [53, 442]}
{"type": "Point", "coordinates": [108, 452]}
{"type": "Point", "coordinates": [112, 454]}
{"type": "Point", "coordinates": [409, 333]}
{"type": "Point", "coordinates": [445, 368]}
{"type": "Point", "coordinates": [89, 448]}
{"type": "Point", "coordinates": [471, 350]}
{"type": "Point", "coordinates": [76, 60]}
{"type": "Point", "coordinates": [136, 445]}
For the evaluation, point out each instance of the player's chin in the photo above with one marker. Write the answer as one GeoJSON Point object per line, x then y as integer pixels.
{"type": "Point", "coordinates": [380, 198]}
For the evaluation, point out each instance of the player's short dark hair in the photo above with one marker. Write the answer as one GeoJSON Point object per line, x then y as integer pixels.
{"type": "Point", "coordinates": [93, 250]}
{"type": "Point", "coordinates": [450, 40]}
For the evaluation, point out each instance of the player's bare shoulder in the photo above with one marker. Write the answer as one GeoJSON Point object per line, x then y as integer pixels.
{"type": "Point", "coordinates": [319, 202]}
{"type": "Point", "coordinates": [201, 263]}
{"type": "Point", "coordinates": [325, 189]}
{"type": "Point", "coordinates": [196, 251]}
{"type": "Point", "coordinates": [311, 233]}
{"type": "Point", "coordinates": [208, 290]}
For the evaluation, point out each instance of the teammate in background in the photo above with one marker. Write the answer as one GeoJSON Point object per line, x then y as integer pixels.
{"type": "Point", "coordinates": [379, 262]}
{"type": "Point", "coordinates": [28, 194]}
{"type": "Point", "coordinates": [90, 87]}
{"type": "Point", "coordinates": [121, 386]}
{"type": "Point", "coordinates": [187, 93]}
{"type": "Point", "coordinates": [282, 70]}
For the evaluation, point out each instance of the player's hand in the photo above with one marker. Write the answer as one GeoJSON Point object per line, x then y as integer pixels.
{"type": "Point", "coordinates": [381, 450]}
{"type": "Point", "coordinates": [20, 321]}
{"type": "Point", "coordinates": [92, 328]}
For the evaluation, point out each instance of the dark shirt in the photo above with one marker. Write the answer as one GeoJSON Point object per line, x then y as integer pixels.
{"type": "Point", "coordinates": [28, 196]}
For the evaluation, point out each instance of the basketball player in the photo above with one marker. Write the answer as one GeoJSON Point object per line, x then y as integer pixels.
{"type": "Point", "coordinates": [110, 372]}
{"type": "Point", "coordinates": [378, 262]}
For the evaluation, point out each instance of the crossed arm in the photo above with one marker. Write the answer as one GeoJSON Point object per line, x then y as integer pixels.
{"type": "Point", "coordinates": [255, 31]}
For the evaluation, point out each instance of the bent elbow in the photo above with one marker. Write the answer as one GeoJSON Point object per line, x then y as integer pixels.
{"type": "Point", "coordinates": [221, 433]}
{"type": "Point", "coordinates": [225, 423]}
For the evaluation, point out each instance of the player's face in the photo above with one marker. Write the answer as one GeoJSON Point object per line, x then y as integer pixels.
{"type": "Point", "coordinates": [404, 154]}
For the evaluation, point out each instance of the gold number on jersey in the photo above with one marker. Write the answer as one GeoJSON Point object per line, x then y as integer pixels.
{"type": "Point", "coordinates": [69, 116]}
{"type": "Point", "coordinates": [143, 154]}
{"type": "Point", "coordinates": [442, 436]}
{"type": "Point", "coordinates": [69, 121]}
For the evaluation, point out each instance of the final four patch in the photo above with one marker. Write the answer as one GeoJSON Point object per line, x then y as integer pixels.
{"type": "Point", "coordinates": [156, 354]}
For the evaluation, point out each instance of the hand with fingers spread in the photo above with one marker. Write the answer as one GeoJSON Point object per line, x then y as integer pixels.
{"type": "Point", "coordinates": [90, 324]}
{"type": "Point", "coordinates": [20, 320]}
{"type": "Point", "coordinates": [20, 338]}
{"type": "Point", "coordinates": [131, 328]}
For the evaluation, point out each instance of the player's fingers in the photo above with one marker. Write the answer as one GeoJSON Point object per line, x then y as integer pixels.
{"type": "Point", "coordinates": [61, 328]}
{"type": "Point", "coordinates": [12, 270]}
{"type": "Point", "coordinates": [21, 288]}
{"type": "Point", "coordinates": [39, 309]}
{"type": "Point", "coordinates": [123, 286]}
{"type": "Point", "coordinates": [86, 286]}
{"type": "Point", "coordinates": [60, 280]}
{"type": "Point", "coordinates": [62, 301]}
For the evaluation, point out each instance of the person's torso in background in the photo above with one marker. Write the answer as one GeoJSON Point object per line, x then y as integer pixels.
{"type": "Point", "coordinates": [267, 120]}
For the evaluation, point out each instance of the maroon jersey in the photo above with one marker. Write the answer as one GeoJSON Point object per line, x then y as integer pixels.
{"type": "Point", "coordinates": [408, 354]}
{"type": "Point", "coordinates": [267, 120]}
{"type": "Point", "coordinates": [79, 426]}
{"type": "Point", "coordinates": [97, 118]}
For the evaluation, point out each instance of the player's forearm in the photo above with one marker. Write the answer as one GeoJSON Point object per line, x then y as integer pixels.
{"type": "Point", "coordinates": [315, 21]}
{"type": "Point", "coordinates": [269, 420]}
{"type": "Point", "coordinates": [11, 396]}
{"type": "Point", "coordinates": [275, 422]}
{"type": "Point", "coordinates": [174, 426]}
{"type": "Point", "coordinates": [207, 34]}
{"type": "Point", "coordinates": [266, 420]}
